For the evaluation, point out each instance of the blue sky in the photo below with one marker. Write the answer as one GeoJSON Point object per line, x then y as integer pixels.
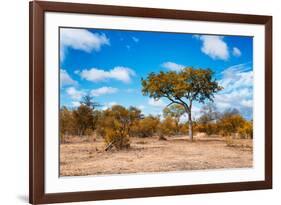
{"type": "Point", "coordinates": [109, 65]}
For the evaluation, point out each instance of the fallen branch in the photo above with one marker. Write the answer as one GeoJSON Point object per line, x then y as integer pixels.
{"type": "Point", "coordinates": [109, 146]}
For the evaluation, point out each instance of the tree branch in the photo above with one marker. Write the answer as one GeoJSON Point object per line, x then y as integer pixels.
{"type": "Point", "coordinates": [170, 104]}
{"type": "Point", "coordinates": [177, 101]}
{"type": "Point", "coordinates": [184, 104]}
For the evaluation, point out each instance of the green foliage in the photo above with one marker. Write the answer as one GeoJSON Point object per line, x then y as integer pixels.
{"type": "Point", "coordinates": [175, 111]}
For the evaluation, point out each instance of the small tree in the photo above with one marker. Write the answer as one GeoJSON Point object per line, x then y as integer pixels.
{"type": "Point", "coordinates": [114, 127]}
{"type": "Point", "coordinates": [84, 118]}
{"type": "Point", "coordinates": [87, 100]}
{"type": "Point", "coordinates": [175, 111]}
{"type": "Point", "coordinates": [230, 124]}
{"type": "Point", "coordinates": [182, 88]}
{"type": "Point", "coordinates": [208, 120]}
{"type": "Point", "coordinates": [209, 113]}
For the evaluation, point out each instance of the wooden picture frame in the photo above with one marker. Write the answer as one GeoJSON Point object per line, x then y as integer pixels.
{"type": "Point", "coordinates": [37, 11]}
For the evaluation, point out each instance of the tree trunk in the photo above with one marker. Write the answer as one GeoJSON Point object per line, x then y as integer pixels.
{"type": "Point", "coordinates": [190, 127]}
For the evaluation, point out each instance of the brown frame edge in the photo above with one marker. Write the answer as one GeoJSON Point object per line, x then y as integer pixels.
{"type": "Point", "coordinates": [37, 194]}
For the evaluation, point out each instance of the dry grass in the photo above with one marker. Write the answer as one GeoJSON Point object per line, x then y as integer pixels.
{"type": "Point", "coordinates": [79, 157]}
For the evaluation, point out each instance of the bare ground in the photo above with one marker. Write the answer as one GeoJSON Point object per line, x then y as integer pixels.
{"type": "Point", "coordinates": [81, 157]}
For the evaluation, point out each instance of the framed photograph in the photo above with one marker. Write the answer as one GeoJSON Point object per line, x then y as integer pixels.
{"type": "Point", "coordinates": [132, 102]}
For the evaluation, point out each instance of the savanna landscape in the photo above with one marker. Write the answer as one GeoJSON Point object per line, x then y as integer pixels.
{"type": "Point", "coordinates": [146, 155]}
{"type": "Point", "coordinates": [173, 118]}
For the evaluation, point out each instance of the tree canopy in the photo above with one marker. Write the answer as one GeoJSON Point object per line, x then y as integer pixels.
{"type": "Point", "coordinates": [182, 88]}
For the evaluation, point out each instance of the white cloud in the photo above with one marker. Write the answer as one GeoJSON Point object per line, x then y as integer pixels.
{"type": "Point", "coordinates": [173, 66]}
{"type": "Point", "coordinates": [236, 52]}
{"type": "Point", "coordinates": [120, 73]}
{"type": "Point", "coordinates": [156, 103]}
{"type": "Point", "coordinates": [81, 39]}
{"type": "Point", "coordinates": [235, 98]}
{"type": "Point", "coordinates": [74, 93]}
{"type": "Point", "coordinates": [109, 105]}
{"type": "Point", "coordinates": [247, 103]}
{"type": "Point", "coordinates": [238, 89]}
{"type": "Point", "coordinates": [141, 107]}
{"type": "Point", "coordinates": [214, 46]}
{"type": "Point", "coordinates": [135, 39]}
{"type": "Point", "coordinates": [103, 91]}
{"type": "Point", "coordinates": [112, 103]}
{"type": "Point", "coordinates": [75, 103]}
{"type": "Point", "coordinates": [65, 78]}
{"type": "Point", "coordinates": [237, 76]}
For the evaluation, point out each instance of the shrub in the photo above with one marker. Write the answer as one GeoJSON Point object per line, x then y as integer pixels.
{"type": "Point", "coordinates": [246, 131]}
{"type": "Point", "coordinates": [230, 124]}
{"type": "Point", "coordinates": [175, 111]}
{"type": "Point", "coordinates": [208, 128]}
{"type": "Point", "coordinates": [167, 127]}
{"type": "Point", "coordinates": [146, 127]}
{"type": "Point", "coordinates": [84, 119]}
{"type": "Point", "coordinates": [116, 139]}
{"type": "Point", "coordinates": [184, 128]}
{"type": "Point", "coordinates": [114, 125]}
{"type": "Point", "coordinates": [67, 124]}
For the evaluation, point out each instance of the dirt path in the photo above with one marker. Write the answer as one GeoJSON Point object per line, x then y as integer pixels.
{"type": "Point", "coordinates": [152, 155]}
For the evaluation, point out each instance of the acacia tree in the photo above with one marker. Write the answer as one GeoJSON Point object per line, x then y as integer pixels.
{"type": "Point", "coordinates": [182, 88]}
